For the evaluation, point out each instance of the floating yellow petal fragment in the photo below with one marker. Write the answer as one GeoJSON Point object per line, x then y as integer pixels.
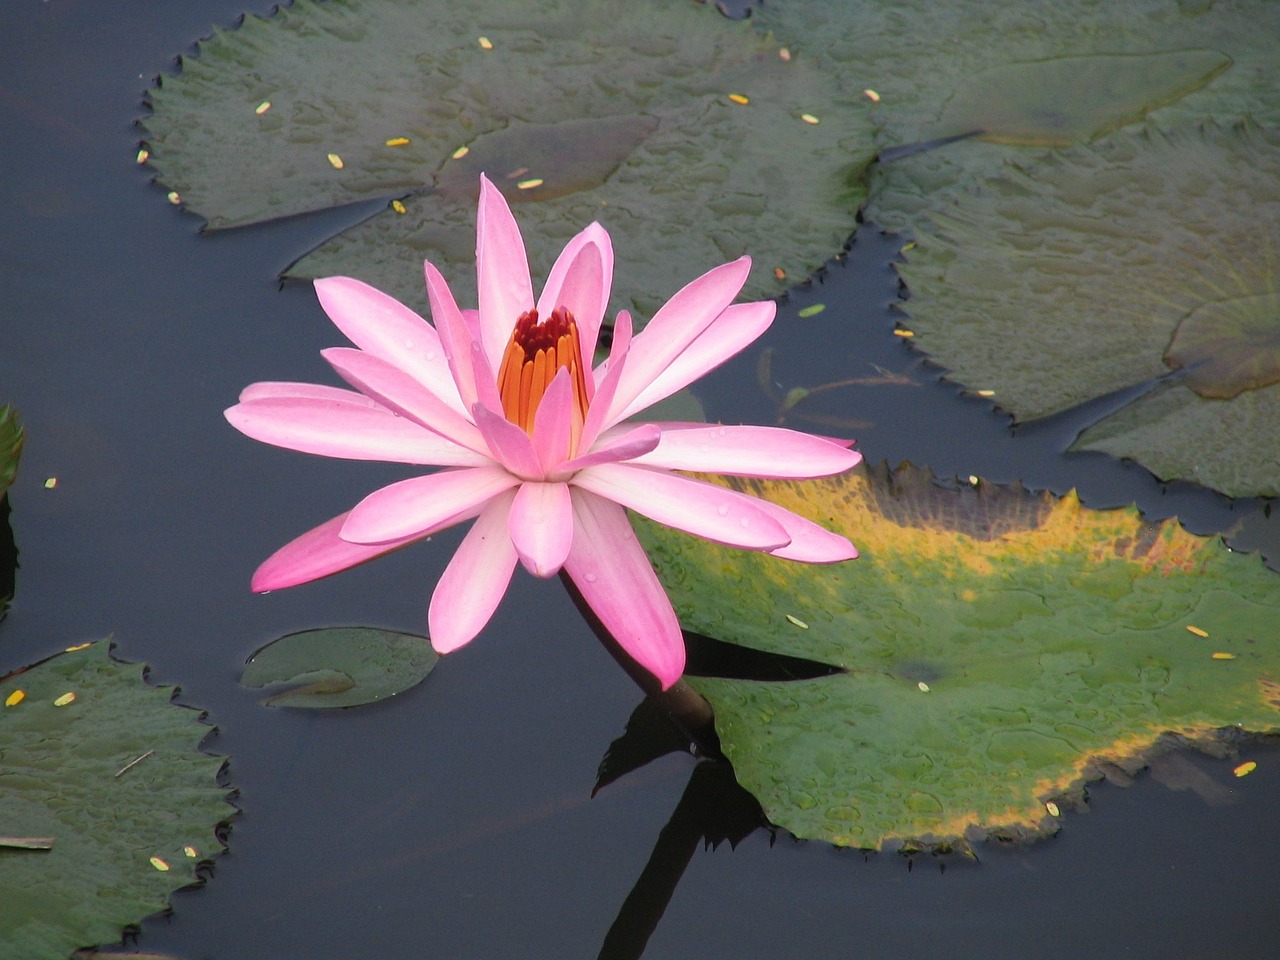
{"type": "Point", "coordinates": [398, 207]}
{"type": "Point", "coordinates": [398, 142]}
{"type": "Point", "coordinates": [529, 184]}
{"type": "Point", "coordinates": [174, 197]}
{"type": "Point", "coordinates": [812, 310]}
{"type": "Point", "coordinates": [1197, 631]}
{"type": "Point", "coordinates": [1245, 768]}
{"type": "Point", "coordinates": [904, 333]}
{"type": "Point", "coordinates": [797, 621]}
{"type": "Point", "coordinates": [1053, 809]}
{"type": "Point", "coordinates": [51, 483]}
{"type": "Point", "coordinates": [485, 43]}
{"type": "Point", "coordinates": [262, 108]}
{"type": "Point", "coordinates": [78, 646]}
{"type": "Point", "coordinates": [739, 98]}
{"type": "Point", "coordinates": [460, 153]}
{"type": "Point", "coordinates": [68, 697]}
{"type": "Point", "coordinates": [143, 155]}
{"type": "Point", "coordinates": [871, 95]}
{"type": "Point", "coordinates": [784, 54]}
{"type": "Point", "coordinates": [161, 865]}
{"type": "Point", "coordinates": [779, 273]}
{"type": "Point", "coordinates": [335, 161]}
{"type": "Point", "coordinates": [15, 698]}
{"type": "Point", "coordinates": [924, 687]}
{"type": "Point", "coordinates": [986, 393]}
{"type": "Point", "coordinates": [1220, 655]}
{"type": "Point", "coordinates": [974, 480]}
{"type": "Point", "coordinates": [191, 851]}
{"type": "Point", "coordinates": [809, 118]}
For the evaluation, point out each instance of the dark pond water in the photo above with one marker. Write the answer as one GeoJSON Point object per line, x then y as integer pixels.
{"type": "Point", "coordinates": [458, 820]}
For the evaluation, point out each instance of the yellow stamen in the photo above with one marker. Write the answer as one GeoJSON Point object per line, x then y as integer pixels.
{"type": "Point", "coordinates": [534, 355]}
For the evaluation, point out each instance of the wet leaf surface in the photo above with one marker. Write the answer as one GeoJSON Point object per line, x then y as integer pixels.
{"type": "Point", "coordinates": [1229, 346]}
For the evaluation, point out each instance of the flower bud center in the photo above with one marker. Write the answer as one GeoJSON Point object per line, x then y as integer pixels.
{"type": "Point", "coordinates": [534, 355]}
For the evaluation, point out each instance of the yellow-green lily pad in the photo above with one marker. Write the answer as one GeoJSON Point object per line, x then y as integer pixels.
{"type": "Point", "coordinates": [112, 801]}
{"type": "Point", "coordinates": [998, 647]}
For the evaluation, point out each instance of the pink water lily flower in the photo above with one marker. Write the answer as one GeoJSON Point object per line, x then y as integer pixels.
{"type": "Point", "coordinates": [533, 444]}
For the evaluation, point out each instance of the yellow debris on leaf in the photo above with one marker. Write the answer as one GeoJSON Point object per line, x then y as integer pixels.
{"type": "Point", "coordinates": [191, 851]}
{"type": "Point", "coordinates": [1222, 655]}
{"type": "Point", "coordinates": [904, 333]}
{"type": "Point", "coordinates": [1053, 809]}
{"type": "Point", "coordinates": [78, 646]}
{"type": "Point", "coordinates": [398, 207]}
{"type": "Point", "coordinates": [15, 698]}
{"type": "Point", "coordinates": [66, 698]}
{"type": "Point", "coordinates": [159, 864]}
{"type": "Point", "coordinates": [923, 687]}
{"type": "Point", "coordinates": [485, 43]}
{"type": "Point", "coordinates": [262, 108]}
{"type": "Point", "coordinates": [779, 273]}
{"type": "Point", "coordinates": [529, 184]}
{"type": "Point", "coordinates": [174, 197]}
{"type": "Point", "coordinates": [335, 161]}
{"type": "Point", "coordinates": [143, 155]}
{"type": "Point", "coordinates": [739, 98]}
{"type": "Point", "coordinates": [1197, 631]}
{"type": "Point", "coordinates": [398, 142]}
{"type": "Point", "coordinates": [809, 118]}
{"type": "Point", "coordinates": [871, 95]}
{"type": "Point", "coordinates": [1245, 768]}
{"type": "Point", "coordinates": [986, 393]}
{"type": "Point", "coordinates": [460, 153]}
{"type": "Point", "coordinates": [51, 483]}
{"type": "Point", "coordinates": [797, 621]}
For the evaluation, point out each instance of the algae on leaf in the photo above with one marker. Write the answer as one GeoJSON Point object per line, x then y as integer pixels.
{"type": "Point", "coordinates": [680, 131]}
{"type": "Point", "coordinates": [103, 770]}
{"type": "Point", "coordinates": [998, 646]}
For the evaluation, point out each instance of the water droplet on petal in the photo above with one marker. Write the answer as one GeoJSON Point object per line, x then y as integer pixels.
{"type": "Point", "coordinates": [409, 344]}
{"type": "Point", "coordinates": [723, 509]}
{"type": "Point", "coordinates": [591, 578]}
{"type": "Point", "coordinates": [745, 522]}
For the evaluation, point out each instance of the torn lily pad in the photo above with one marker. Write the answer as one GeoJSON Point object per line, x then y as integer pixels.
{"type": "Point", "coordinates": [998, 645]}
{"type": "Point", "coordinates": [1060, 280]}
{"type": "Point", "coordinates": [580, 109]}
{"type": "Point", "coordinates": [106, 773]}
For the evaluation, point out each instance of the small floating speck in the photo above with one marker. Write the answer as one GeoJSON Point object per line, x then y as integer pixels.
{"type": "Point", "coordinates": [517, 172]}
{"type": "Point", "coordinates": [529, 184]}
{"type": "Point", "coordinates": [871, 95]}
{"type": "Point", "coordinates": [143, 155]}
{"type": "Point", "coordinates": [779, 273]}
{"type": "Point", "coordinates": [904, 333]}
{"type": "Point", "coordinates": [986, 393]}
{"type": "Point", "coordinates": [739, 98]}
{"type": "Point", "coordinates": [1053, 809]}
{"type": "Point", "coordinates": [66, 698]}
{"type": "Point", "coordinates": [51, 483]}
{"type": "Point", "coordinates": [398, 142]}
{"type": "Point", "coordinates": [15, 698]}
{"type": "Point", "coordinates": [1197, 631]}
{"type": "Point", "coordinates": [485, 43]}
{"type": "Point", "coordinates": [335, 161]}
{"type": "Point", "coordinates": [398, 207]}
{"type": "Point", "coordinates": [922, 687]}
{"type": "Point", "coordinates": [262, 108]}
{"type": "Point", "coordinates": [174, 197]}
{"type": "Point", "coordinates": [797, 621]}
{"type": "Point", "coordinates": [812, 310]}
{"type": "Point", "coordinates": [810, 118]}
{"type": "Point", "coordinates": [159, 864]}
{"type": "Point", "coordinates": [1245, 768]}
{"type": "Point", "coordinates": [460, 153]}
{"type": "Point", "coordinates": [1223, 655]}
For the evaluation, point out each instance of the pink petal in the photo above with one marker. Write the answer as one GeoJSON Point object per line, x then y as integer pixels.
{"type": "Point", "coordinates": [624, 444]}
{"type": "Point", "coordinates": [607, 385]}
{"type": "Point", "coordinates": [553, 422]}
{"type": "Point", "coordinates": [386, 328]}
{"type": "Point", "coordinates": [613, 574]}
{"type": "Point", "coordinates": [456, 334]}
{"type": "Point", "coordinates": [810, 543]}
{"type": "Point", "coordinates": [704, 509]}
{"type": "Point", "coordinates": [510, 445]}
{"type": "Point", "coordinates": [421, 506]}
{"type": "Point", "coordinates": [749, 452]}
{"type": "Point", "coordinates": [404, 395]}
{"type": "Point", "coordinates": [541, 526]}
{"type": "Point", "coordinates": [475, 579]}
{"type": "Point", "coordinates": [347, 429]}
{"type": "Point", "coordinates": [580, 282]}
{"type": "Point", "coordinates": [315, 391]}
{"type": "Point", "coordinates": [502, 272]}
{"type": "Point", "coordinates": [315, 554]}
{"type": "Point", "coordinates": [728, 335]}
{"type": "Point", "coordinates": [676, 325]}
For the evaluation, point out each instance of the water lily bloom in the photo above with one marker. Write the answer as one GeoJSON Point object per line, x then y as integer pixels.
{"type": "Point", "coordinates": [539, 448]}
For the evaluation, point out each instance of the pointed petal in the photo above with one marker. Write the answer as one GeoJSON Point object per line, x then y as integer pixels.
{"type": "Point", "coordinates": [553, 422]}
{"type": "Point", "coordinates": [704, 509]}
{"type": "Point", "coordinates": [810, 542]}
{"type": "Point", "coordinates": [607, 385]}
{"type": "Point", "coordinates": [541, 526]}
{"type": "Point", "coordinates": [729, 334]}
{"type": "Point", "coordinates": [386, 328]}
{"type": "Point", "coordinates": [510, 445]}
{"type": "Point", "coordinates": [580, 282]}
{"type": "Point", "coordinates": [347, 429]}
{"type": "Point", "coordinates": [749, 452]}
{"type": "Point", "coordinates": [317, 553]}
{"type": "Point", "coordinates": [456, 334]}
{"type": "Point", "coordinates": [421, 506]}
{"type": "Point", "coordinates": [624, 444]}
{"type": "Point", "coordinates": [613, 574]}
{"type": "Point", "coordinates": [502, 272]}
{"type": "Point", "coordinates": [676, 325]}
{"type": "Point", "coordinates": [315, 391]}
{"type": "Point", "coordinates": [403, 395]}
{"type": "Point", "coordinates": [475, 579]}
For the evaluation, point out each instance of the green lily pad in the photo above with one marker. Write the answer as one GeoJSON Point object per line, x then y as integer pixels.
{"type": "Point", "coordinates": [581, 110]}
{"type": "Point", "coordinates": [115, 802]}
{"type": "Point", "coordinates": [999, 647]}
{"type": "Point", "coordinates": [1061, 280]}
{"type": "Point", "coordinates": [340, 666]}
{"type": "Point", "coordinates": [11, 437]}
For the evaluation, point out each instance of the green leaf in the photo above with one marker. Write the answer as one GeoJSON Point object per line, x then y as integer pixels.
{"type": "Point", "coordinates": [11, 437]}
{"type": "Point", "coordinates": [340, 666]}
{"type": "Point", "coordinates": [999, 646]}
{"type": "Point", "coordinates": [112, 779]}
{"type": "Point", "coordinates": [580, 110]}
{"type": "Point", "coordinates": [1064, 279]}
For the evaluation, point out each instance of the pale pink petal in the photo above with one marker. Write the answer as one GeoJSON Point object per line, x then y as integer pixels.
{"type": "Point", "coordinates": [314, 391]}
{"type": "Point", "coordinates": [347, 429]}
{"type": "Point", "coordinates": [749, 452]}
{"type": "Point", "coordinates": [580, 282]}
{"type": "Point", "coordinates": [677, 324]}
{"type": "Point", "coordinates": [315, 554]}
{"type": "Point", "coordinates": [541, 526]}
{"type": "Point", "coordinates": [386, 328]}
{"type": "Point", "coordinates": [502, 272]}
{"type": "Point", "coordinates": [704, 509]}
{"type": "Point", "coordinates": [607, 384]}
{"type": "Point", "coordinates": [404, 395]}
{"type": "Point", "coordinates": [422, 505]}
{"type": "Point", "coordinates": [728, 335]}
{"type": "Point", "coordinates": [625, 442]}
{"type": "Point", "coordinates": [486, 380]}
{"type": "Point", "coordinates": [475, 579]}
{"type": "Point", "coordinates": [456, 334]}
{"type": "Point", "coordinates": [553, 422]}
{"type": "Point", "coordinates": [613, 575]}
{"type": "Point", "coordinates": [810, 542]}
{"type": "Point", "coordinates": [509, 444]}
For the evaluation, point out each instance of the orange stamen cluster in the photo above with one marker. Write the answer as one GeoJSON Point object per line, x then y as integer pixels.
{"type": "Point", "coordinates": [533, 357]}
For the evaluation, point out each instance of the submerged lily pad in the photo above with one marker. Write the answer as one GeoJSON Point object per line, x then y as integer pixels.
{"type": "Point", "coordinates": [999, 645]}
{"type": "Point", "coordinates": [340, 666]}
{"type": "Point", "coordinates": [11, 437]}
{"type": "Point", "coordinates": [1058, 281]}
{"type": "Point", "coordinates": [682, 132]}
{"type": "Point", "coordinates": [106, 773]}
